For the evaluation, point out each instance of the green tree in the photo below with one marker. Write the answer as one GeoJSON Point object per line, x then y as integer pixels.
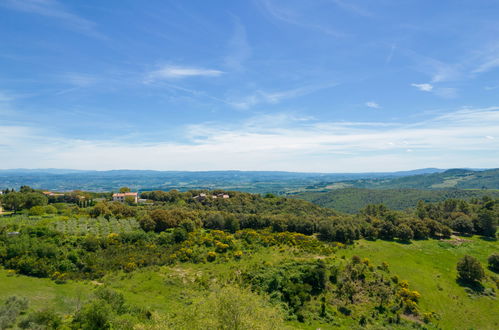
{"type": "Point", "coordinates": [404, 232]}
{"type": "Point", "coordinates": [130, 200]}
{"type": "Point", "coordinates": [494, 262]}
{"type": "Point", "coordinates": [26, 189]}
{"type": "Point", "coordinates": [470, 270]}
{"type": "Point", "coordinates": [463, 224]}
{"type": "Point", "coordinates": [14, 201]}
{"type": "Point", "coordinates": [488, 222]}
{"type": "Point", "coordinates": [124, 189]}
{"type": "Point", "coordinates": [228, 308]}
{"type": "Point", "coordinates": [34, 199]}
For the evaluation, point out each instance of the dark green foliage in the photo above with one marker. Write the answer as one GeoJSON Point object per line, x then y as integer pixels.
{"type": "Point", "coordinates": [160, 219]}
{"type": "Point", "coordinates": [96, 315]}
{"type": "Point", "coordinates": [462, 224]}
{"type": "Point", "coordinates": [493, 261]}
{"type": "Point", "coordinates": [352, 200]}
{"type": "Point", "coordinates": [404, 232]}
{"type": "Point", "coordinates": [487, 222]}
{"type": "Point", "coordinates": [470, 270]}
{"type": "Point", "coordinates": [316, 285]}
{"type": "Point", "coordinates": [44, 319]}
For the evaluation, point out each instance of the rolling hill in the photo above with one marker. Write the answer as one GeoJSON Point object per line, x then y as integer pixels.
{"type": "Point", "coordinates": [351, 200]}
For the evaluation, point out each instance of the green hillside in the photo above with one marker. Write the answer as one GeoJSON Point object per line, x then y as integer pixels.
{"type": "Point", "coordinates": [351, 200]}
{"type": "Point", "coordinates": [454, 178]}
{"type": "Point", "coordinates": [231, 260]}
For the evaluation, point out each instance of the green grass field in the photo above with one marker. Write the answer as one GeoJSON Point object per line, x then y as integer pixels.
{"type": "Point", "coordinates": [430, 268]}
{"type": "Point", "coordinates": [44, 293]}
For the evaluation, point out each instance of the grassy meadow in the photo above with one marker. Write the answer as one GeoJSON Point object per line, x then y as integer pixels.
{"type": "Point", "coordinates": [429, 266]}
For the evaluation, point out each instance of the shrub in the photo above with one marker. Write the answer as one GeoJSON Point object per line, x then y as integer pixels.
{"type": "Point", "coordinates": [238, 254]}
{"type": "Point", "coordinates": [96, 315]}
{"type": "Point", "coordinates": [50, 209]}
{"type": "Point", "coordinates": [37, 211]}
{"type": "Point", "coordinates": [44, 319]}
{"type": "Point", "coordinates": [494, 262]}
{"type": "Point", "coordinates": [469, 269]}
{"type": "Point", "coordinates": [211, 256]}
{"type": "Point", "coordinates": [9, 312]}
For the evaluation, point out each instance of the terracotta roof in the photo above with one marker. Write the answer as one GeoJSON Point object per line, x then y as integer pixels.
{"type": "Point", "coordinates": [125, 194]}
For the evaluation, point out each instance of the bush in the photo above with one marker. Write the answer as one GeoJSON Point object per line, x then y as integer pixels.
{"type": "Point", "coordinates": [45, 319]}
{"type": "Point", "coordinates": [96, 315]}
{"type": "Point", "coordinates": [11, 310]}
{"type": "Point", "coordinates": [494, 262]}
{"type": "Point", "coordinates": [37, 211]}
{"type": "Point", "coordinates": [470, 270]}
{"type": "Point", "coordinates": [404, 232]}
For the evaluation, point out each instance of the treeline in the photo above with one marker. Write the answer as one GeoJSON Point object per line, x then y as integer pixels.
{"type": "Point", "coordinates": [206, 209]}
{"type": "Point", "coordinates": [27, 198]}
{"type": "Point", "coordinates": [479, 216]}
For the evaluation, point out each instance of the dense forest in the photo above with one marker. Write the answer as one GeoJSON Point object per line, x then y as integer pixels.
{"type": "Point", "coordinates": [352, 200]}
{"type": "Point", "coordinates": [275, 262]}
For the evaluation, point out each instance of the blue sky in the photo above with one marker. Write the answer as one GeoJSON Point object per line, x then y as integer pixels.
{"type": "Point", "coordinates": [316, 86]}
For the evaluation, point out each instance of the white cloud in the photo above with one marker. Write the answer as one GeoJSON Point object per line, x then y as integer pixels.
{"type": "Point", "coordinates": [390, 54]}
{"type": "Point", "coordinates": [266, 97]}
{"type": "Point", "coordinates": [423, 87]}
{"type": "Point", "coordinates": [177, 72]}
{"type": "Point", "coordinates": [372, 104]}
{"type": "Point", "coordinates": [283, 142]}
{"type": "Point", "coordinates": [487, 66]}
{"type": "Point", "coordinates": [53, 9]}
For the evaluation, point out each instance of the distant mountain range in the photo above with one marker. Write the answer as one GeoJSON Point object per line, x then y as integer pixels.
{"type": "Point", "coordinates": [251, 181]}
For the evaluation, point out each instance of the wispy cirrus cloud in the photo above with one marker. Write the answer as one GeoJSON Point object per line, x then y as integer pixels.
{"type": "Point", "coordinates": [80, 79]}
{"type": "Point", "coordinates": [179, 72]}
{"type": "Point", "coordinates": [488, 65]}
{"type": "Point", "coordinates": [239, 49]}
{"type": "Point", "coordinates": [274, 97]}
{"type": "Point", "coordinates": [285, 12]}
{"type": "Point", "coordinates": [352, 7]}
{"type": "Point", "coordinates": [55, 10]}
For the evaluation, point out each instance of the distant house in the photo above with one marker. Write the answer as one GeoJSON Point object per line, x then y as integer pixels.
{"type": "Point", "coordinates": [201, 197]}
{"type": "Point", "coordinates": [49, 193]}
{"type": "Point", "coordinates": [121, 197]}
